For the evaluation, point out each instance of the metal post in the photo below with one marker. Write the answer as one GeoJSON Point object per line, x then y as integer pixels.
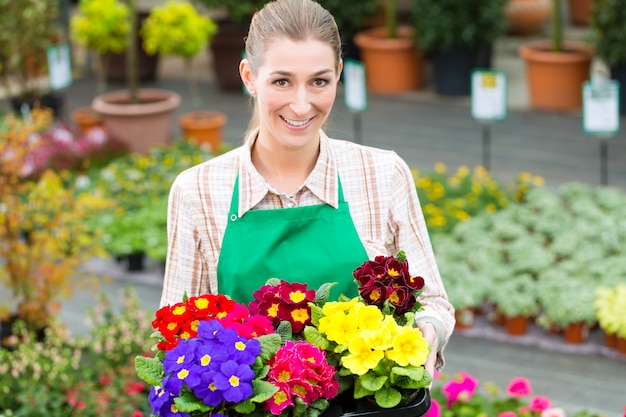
{"type": "Point", "coordinates": [486, 146]}
{"type": "Point", "coordinates": [604, 164]}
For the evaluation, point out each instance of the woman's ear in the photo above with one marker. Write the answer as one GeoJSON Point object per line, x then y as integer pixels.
{"type": "Point", "coordinates": [246, 76]}
{"type": "Point", "coordinates": [339, 68]}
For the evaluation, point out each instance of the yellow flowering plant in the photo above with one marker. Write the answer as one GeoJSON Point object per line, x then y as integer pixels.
{"type": "Point", "coordinates": [43, 229]}
{"type": "Point", "coordinates": [372, 338]}
{"type": "Point", "coordinates": [452, 198]}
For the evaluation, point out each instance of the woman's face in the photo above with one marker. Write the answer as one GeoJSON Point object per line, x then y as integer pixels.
{"type": "Point", "coordinates": [295, 89]}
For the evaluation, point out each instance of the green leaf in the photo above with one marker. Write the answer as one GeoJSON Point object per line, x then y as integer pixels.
{"type": "Point", "coordinates": [273, 281]}
{"type": "Point", "coordinates": [245, 407]}
{"type": "Point", "coordinates": [323, 293]}
{"type": "Point", "coordinates": [401, 256]}
{"type": "Point", "coordinates": [150, 370]}
{"type": "Point", "coordinates": [262, 391]}
{"type": "Point", "coordinates": [270, 343]}
{"type": "Point", "coordinates": [316, 314]}
{"type": "Point", "coordinates": [412, 372]}
{"type": "Point", "coordinates": [187, 403]}
{"type": "Point", "coordinates": [360, 391]}
{"type": "Point", "coordinates": [314, 337]}
{"type": "Point", "coordinates": [284, 330]}
{"type": "Point", "coordinates": [388, 397]}
{"type": "Point", "coordinates": [373, 382]}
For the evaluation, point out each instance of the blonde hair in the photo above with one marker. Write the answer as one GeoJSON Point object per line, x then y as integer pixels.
{"type": "Point", "coordinates": [297, 20]}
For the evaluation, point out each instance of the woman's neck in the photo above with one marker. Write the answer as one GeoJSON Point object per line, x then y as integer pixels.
{"type": "Point", "coordinates": [283, 168]}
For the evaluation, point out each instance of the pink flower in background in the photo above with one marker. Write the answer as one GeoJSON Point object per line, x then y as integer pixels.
{"type": "Point", "coordinates": [434, 410]}
{"type": "Point", "coordinates": [539, 403]}
{"type": "Point", "coordinates": [461, 388]}
{"type": "Point", "coordinates": [553, 412]}
{"type": "Point", "coordinates": [519, 387]}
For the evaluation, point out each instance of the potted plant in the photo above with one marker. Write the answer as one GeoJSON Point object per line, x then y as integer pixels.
{"type": "Point", "coordinates": [609, 39]}
{"type": "Point", "coordinates": [139, 117]}
{"type": "Point", "coordinates": [28, 28]}
{"type": "Point", "coordinates": [610, 306]}
{"type": "Point", "coordinates": [516, 299]}
{"type": "Point", "coordinates": [162, 32]}
{"type": "Point", "coordinates": [459, 36]}
{"type": "Point", "coordinates": [227, 46]}
{"type": "Point", "coordinates": [568, 305]}
{"type": "Point", "coordinates": [556, 69]}
{"type": "Point", "coordinates": [390, 55]}
{"type": "Point", "coordinates": [43, 228]}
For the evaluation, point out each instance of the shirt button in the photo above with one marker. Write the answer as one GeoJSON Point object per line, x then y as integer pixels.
{"type": "Point", "coordinates": [290, 204]}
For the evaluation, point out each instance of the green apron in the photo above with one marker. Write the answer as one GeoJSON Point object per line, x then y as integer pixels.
{"type": "Point", "coordinates": [310, 245]}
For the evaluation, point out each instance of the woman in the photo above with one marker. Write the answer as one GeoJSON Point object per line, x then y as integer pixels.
{"type": "Point", "coordinates": [292, 203]}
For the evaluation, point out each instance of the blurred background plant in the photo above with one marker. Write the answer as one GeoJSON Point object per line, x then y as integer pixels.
{"type": "Point", "coordinates": [87, 375]}
{"type": "Point", "coordinates": [101, 26]}
{"type": "Point", "coordinates": [139, 184]}
{"type": "Point", "coordinates": [43, 227]}
{"type": "Point", "coordinates": [462, 395]}
{"type": "Point", "coordinates": [448, 199]}
{"type": "Point", "coordinates": [29, 27]}
{"type": "Point", "coordinates": [177, 28]}
{"type": "Point", "coordinates": [569, 241]}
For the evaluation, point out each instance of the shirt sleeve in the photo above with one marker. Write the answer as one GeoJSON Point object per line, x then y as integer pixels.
{"type": "Point", "coordinates": [408, 227]}
{"type": "Point", "coordinates": [185, 268]}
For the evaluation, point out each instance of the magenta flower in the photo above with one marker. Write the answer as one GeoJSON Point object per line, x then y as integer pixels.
{"type": "Point", "coordinates": [434, 410]}
{"type": "Point", "coordinates": [461, 388]}
{"type": "Point", "coordinates": [539, 403]}
{"type": "Point", "coordinates": [519, 387]}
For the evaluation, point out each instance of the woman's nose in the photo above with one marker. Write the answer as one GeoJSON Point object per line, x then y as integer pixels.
{"type": "Point", "coordinates": [300, 103]}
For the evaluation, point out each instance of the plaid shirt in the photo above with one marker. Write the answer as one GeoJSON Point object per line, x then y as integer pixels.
{"type": "Point", "coordinates": [377, 184]}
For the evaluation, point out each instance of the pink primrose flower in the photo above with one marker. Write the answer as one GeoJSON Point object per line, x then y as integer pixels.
{"type": "Point", "coordinates": [539, 403]}
{"type": "Point", "coordinates": [519, 387]}
{"type": "Point", "coordinates": [462, 388]}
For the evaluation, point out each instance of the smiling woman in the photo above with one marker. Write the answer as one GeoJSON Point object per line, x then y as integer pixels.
{"type": "Point", "coordinates": [292, 203]}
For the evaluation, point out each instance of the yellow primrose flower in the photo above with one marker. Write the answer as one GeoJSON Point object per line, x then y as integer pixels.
{"type": "Point", "coordinates": [409, 347]}
{"type": "Point", "coordinates": [382, 337]}
{"type": "Point", "coordinates": [361, 357]}
{"type": "Point", "coordinates": [339, 327]}
{"type": "Point", "coordinates": [368, 317]}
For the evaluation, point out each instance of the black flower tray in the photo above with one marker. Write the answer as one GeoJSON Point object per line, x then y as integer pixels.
{"type": "Point", "coordinates": [346, 408]}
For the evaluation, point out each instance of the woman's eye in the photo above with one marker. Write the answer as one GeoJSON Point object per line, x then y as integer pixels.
{"type": "Point", "coordinates": [320, 82]}
{"type": "Point", "coordinates": [281, 83]}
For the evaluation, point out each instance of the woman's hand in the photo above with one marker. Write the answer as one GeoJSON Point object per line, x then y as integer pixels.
{"type": "Point", "coordinates": [430, 334]}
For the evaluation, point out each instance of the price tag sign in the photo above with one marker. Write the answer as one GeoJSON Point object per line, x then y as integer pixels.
{"type": "Point", "coordinates": [488, 95]}
{"type": "Point", "coordinates": [59, 66]}
{"type": "Point", "coordinates": [601, 107]}
{"type": "Point", "coordinates": [354, 85]}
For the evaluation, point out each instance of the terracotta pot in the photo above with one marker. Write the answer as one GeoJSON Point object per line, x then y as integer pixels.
{"type": "Point", "coordinates": [621, 345]}
{"type": "Point", "coordinates": [554, 79]}
{"type": "Point", "coordinates": [391, 65]}
{"type": "Point", "coordinates": [580, 11]}
{"type": "Point", "coordinates": [516, 326]}
{"type": "Point", "coordinates": [527, 17]}
{"type": "Point", "coordinates": [610, 340]}
{"type": "Point", "coordinates": [86, 118]}
{"type": "Point", "coordinates": [204, 127]}
{"type": "Point", "coordinates": [140, 126]}
{"type": "Point", "coordinates": [575, 333]}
